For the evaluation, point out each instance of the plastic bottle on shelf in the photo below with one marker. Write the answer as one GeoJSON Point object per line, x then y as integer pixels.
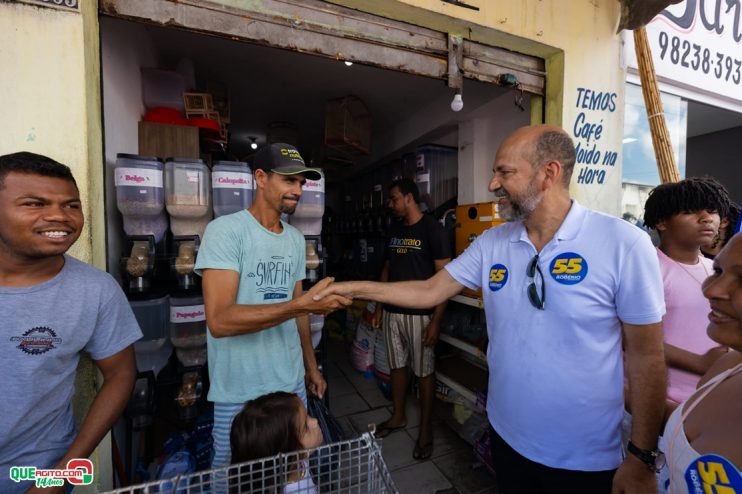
{"type": "Point", "coordinates": [188, 328]}
{"type": "Point", "coordinates": [308, 215]}
{"type": "Point", "coordinates": [188, 196]}
{"type": "Point", "coordinates": [232, 184]}
{"type": "Point", "coordinates": [140, 196]}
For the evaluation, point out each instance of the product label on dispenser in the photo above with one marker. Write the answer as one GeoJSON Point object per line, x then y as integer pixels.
{"type": "Point", "coordinates": [315, 186]}
{"type": "Point", "coordinates": [187, 313]}
{"type": "Point", "coordinates": [138, 177]}
{"type": "Point", "coordinates": [231, 180]}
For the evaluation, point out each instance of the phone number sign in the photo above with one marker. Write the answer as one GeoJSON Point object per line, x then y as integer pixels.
{"type": "Point", "coordinates": [697, 44]}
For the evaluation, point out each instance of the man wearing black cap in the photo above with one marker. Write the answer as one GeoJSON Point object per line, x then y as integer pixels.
{"type": "Point", "coordinates": [252, 265]}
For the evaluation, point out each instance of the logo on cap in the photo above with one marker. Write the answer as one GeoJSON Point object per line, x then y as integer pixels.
{"type": "Point", "coordinates": [292, 153]}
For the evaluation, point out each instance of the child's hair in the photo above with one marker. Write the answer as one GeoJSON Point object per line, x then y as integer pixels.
{"type": "Point", "coordinates": [733, 223]}
{"type": "Point", "coordinates": [689, 195]}
{"type": "Point", "coordinates": [265, 427]}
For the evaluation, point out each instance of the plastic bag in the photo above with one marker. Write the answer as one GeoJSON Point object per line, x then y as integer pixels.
{"type": "Point", "coordinates": [381, 362]}
{"type": "Point", "coordinates": [381, 366]}
{"type": "Point", "coordinates": [362, 349]}
{"type": "Point", "coordinates": [324, 467]}
{"type": "Point", "coordinates": [329, 425]}
{"type": "Point", "coordinates": [175, 470]}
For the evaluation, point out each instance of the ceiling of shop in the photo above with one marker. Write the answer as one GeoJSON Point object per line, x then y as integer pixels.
{"type": "Point", "coordinates": [705, 119]}
{"type": "Point", "coordinates": [274, 85]}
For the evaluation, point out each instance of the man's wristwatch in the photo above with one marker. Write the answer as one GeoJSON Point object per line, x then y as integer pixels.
{"type": "Point", "coordinates": [655, 459]}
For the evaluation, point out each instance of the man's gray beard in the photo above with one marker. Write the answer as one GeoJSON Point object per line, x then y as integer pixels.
{"type": "Point", "coordinates": [520, 210]}
{"type": "Point", "coordinates": [287, 209]}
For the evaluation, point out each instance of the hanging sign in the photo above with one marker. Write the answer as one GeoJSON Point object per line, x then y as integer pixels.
{"type": "Point", "coordinates": [60, 4]}
{"type": "Point", "coordinates": [697, 45]}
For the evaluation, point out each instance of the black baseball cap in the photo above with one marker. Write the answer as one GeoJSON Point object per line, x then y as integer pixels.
{"type": "Point", "coordinates": [283, 159]}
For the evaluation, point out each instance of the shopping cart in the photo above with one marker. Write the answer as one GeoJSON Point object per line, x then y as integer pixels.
{"type": "Point", "coordinates": [353, 466]}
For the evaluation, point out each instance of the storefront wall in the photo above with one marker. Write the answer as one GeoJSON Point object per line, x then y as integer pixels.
{"type": "Point", "coordinates": [49, 93]}
{"type": "Point", "coordinates": [697, 54]}
{"type": "Point", "coordinates": [51, 103]}
{"type": "Point", "coordinates": [584, 80]}
{"type": "Point", "coordinates": [56, 99]}
{"type": "Point", "coordinates": [50, 85]}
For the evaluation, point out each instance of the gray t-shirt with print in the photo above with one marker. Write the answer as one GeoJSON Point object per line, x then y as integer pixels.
{"type": "Point", "coordinates": [43, 329]}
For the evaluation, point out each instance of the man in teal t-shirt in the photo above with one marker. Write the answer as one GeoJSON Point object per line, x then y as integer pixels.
{"type": "Point", "coordinates": [252, 265]}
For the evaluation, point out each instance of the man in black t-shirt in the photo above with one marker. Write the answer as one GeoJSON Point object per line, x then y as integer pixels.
{"type": "Point", "coordinates": [416, 249]}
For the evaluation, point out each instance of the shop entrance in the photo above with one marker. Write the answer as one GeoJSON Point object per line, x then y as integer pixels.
{"type": "Point", "coordinates": [391, 96]}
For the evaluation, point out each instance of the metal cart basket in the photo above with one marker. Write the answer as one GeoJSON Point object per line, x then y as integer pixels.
{"type": "Point", "coordinates": [353, 466]}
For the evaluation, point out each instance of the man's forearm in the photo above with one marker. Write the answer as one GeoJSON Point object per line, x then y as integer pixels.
{"type": "Point", "coordinates": [440, 309]}
{"type": "Point", "coordinates": [648, 388]}
{"type": "Point", "coordinates": [410, 294]}
{"type": "Point", "coordinates": [307, 350]}
{"type": "Point", "coordinates": [677, 358]}
{"type": "Point", "coordinates": [106, 408]}
{"type": "Point", "coordinates": [244, 319]}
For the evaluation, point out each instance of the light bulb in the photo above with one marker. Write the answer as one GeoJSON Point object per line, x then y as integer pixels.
{"type": "Point", "coordinates": [348, 63]}
{"type": "Point", "coordinates": [254, 145]}
{"type": "Point", "coordinates": [457, 103]}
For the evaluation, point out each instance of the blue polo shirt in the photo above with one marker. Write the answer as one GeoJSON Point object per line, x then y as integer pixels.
{"type": "Point", "coordinates": [556, 375]}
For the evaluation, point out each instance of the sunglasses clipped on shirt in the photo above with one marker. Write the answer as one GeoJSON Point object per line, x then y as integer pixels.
{"type": "Point", "coordinates": [533, 293]}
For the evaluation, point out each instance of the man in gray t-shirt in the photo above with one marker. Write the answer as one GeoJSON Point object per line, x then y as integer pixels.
{"type": "Point", "coordinates": [52, 307]}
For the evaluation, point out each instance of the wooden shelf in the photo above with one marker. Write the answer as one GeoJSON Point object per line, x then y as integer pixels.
{"type": "Point", "coordinates": [464, 346]}
{"type": "Point", "coordinates": [470, 301]}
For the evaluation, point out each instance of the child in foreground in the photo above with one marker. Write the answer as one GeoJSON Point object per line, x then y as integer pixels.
{"type": "Point", "coordinates": [272, 424]}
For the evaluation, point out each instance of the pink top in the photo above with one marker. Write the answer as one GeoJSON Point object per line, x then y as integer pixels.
{"type": "Point", "coordinates": [686, 318]}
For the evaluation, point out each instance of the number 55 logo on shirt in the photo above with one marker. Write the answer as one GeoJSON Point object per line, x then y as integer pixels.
{"type": "Point", "coordinates": [498, 277]}
{"type": "Point", "coordinates": [568, 268]}
{"type": "Point", "coordinates": [713, 473]}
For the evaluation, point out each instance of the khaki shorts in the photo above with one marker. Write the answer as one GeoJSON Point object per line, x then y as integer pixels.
{"type": "Point", "coordinates": [403, 335]}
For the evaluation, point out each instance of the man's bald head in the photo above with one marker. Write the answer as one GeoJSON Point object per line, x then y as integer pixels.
{"type": "Point", "coordinates": [539, 144]}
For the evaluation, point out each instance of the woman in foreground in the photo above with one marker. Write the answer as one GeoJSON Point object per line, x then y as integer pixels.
{"type": "Point", "coordinates": [703, 436]}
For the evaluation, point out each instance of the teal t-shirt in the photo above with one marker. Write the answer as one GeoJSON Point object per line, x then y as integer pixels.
{"type": "Point", "coordinates": [269, 264]}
